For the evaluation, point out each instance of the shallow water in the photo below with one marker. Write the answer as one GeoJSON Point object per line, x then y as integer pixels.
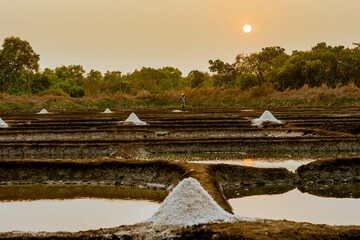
{"type": "Point", "coordinates": [301, 207]}
{"type": "Point", "coordinates": [290, 165]}
{"type": "Point", "coordinates": [72, 214]}
{"type": "Point", "coordinates": [31, 192]}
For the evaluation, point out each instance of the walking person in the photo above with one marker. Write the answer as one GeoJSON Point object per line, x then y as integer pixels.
{"type": "Point", "coordinates": [182, 101]}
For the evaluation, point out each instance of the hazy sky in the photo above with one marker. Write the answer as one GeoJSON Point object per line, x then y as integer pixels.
{"type": "Point", "coordinates": [126, 35]}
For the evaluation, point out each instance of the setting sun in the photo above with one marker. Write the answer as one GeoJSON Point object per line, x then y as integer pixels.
{"type": "Point", "coordinates": [247, 28]}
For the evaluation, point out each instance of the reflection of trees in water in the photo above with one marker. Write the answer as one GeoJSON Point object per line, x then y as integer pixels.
{"type": "Point", "coordinates": [38, 191]}
{"type": "Point", "coordinates": [244, 191]}
{"type": "Point", "coordinates": [339, 190]}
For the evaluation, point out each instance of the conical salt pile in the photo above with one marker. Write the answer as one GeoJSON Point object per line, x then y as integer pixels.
{"type": "Point", "coordinates": [107, 111]}
{"type": "Point", "coordinates": [3, 124]}
{"type": "Point", "coordinates": [190, 204]}
{"type": "Point", "coordinates": [44, 111]}
{"type": "Point", "coordinates": [265, 117]}
{"type": "Point", "coordinates": [177, 111]}
{"type": "Point", "coordinates": [134, 119]}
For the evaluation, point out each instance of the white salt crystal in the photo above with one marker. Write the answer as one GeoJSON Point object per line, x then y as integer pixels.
{"type": "Point", "coordinates": [265, 117]}
{"type": "Point", "coordinates": [44, 111]}
{"type": "Point", "coordinates": [107, 111]}
{"type": "Point", "coordinates": [190, 204]}
{"type": "Point", "coordinates": [3, 124]}
{"type": "Point", "coordinates": [134, 119]}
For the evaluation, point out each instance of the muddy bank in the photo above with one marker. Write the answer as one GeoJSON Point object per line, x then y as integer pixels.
{"type": "Point", "coordinates": [261, 229]}
{"type": "Point", "coordinates": [271, 229]}
{"type": "Point", "coordinates": [331, 170]}
{"type": "Point", "coordinates": [229, 176]}
{"type": "Point", "coordinates": [152, 174]}
{"type": "Point", "coordinates": [159, 174]}
{"type": "Point", "coordinates": [109, 147]}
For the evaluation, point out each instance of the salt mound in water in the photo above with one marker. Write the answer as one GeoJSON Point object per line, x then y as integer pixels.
{"type": "Point", "coordinates": [107, 111]}
{"type": "Point", "coordinates": [44, 111]}
{"type": "Point", "coordinates": [3, 124]}
{"type": "Point", "coordinates": [134, 119]}
{"type": "Point", "coordinates": [265, 117]}
{"type": "Point", "coordinates": [190, 204]}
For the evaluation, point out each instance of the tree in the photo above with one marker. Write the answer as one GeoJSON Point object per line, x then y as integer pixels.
{"type": "Point", "coordinates": [113, 82]}
{"type": "Point", "coordinates": [70, 79]}
{"type": "Point", "coordinates": [197, 78]}
{"type": "Point", "coordinates": [261, 64]}
{"type": "Point", "coordinates": [71, 73]}
{"type": "Point", "coordinates": [18, 56]}
{"type": "Point", "coordinates": [18, 63]}
{"type": "Point", "coordinates": [154, 80]}
{"type": "Point", "coordinates": [93, 82]}
{"type": "Point", "coordinates": [226, 73]}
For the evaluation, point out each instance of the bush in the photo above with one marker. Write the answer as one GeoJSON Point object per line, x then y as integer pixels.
{"type": "Point", "coordinates": [54, 92]}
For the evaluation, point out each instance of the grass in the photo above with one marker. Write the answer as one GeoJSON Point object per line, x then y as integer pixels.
{"type": "Point", "coordinates": [16, 106]}
{"type": "Point", "coordinates": [197, 97]}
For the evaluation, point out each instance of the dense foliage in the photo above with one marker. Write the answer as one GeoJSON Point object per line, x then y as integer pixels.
{"type": "Point", "coordinates": [272, 66]}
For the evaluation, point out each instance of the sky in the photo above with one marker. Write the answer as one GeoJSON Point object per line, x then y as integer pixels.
{"type": "Point", "coordinates": [125, 35]}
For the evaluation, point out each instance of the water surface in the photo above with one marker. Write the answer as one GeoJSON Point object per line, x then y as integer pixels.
{"type": "Point", "coordinates": [300, 207]}
{"type": "Point", "coordinates": [72, 214]}
{"type": "Point", "coordinates": [290, 165]}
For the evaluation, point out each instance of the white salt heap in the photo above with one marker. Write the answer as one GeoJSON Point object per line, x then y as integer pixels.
{"type": "Point", "coordinates": [3, 124]}
{"type": "Point", "coordinates": [265, 117]}
{"type": "Point", "coordinates": [177, 110]}
{"type": "Point", "coordinates": [107, 111]}
{"type": "Point", "coordinates": [44, 111]}
{"type": "Point", "coordinates": [134, 119]}
{"type": "Point", "coordinates": [190, 204]}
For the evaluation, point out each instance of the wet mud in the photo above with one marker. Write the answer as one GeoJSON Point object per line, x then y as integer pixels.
{"type": "Point", "coordinates": [331, 170]}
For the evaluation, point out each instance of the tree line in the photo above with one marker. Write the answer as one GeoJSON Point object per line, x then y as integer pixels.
{"type": "Point", "coordinates": [322, 64]}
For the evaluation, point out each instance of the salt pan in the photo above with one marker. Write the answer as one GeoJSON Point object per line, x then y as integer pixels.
{"type": "Point", "coordinates": [134, 119]}
{"type": "Point", "coordinates": [44, 111]}
{"type": "Point", "coordinates": [190, 204]}
{"type": "Point", "coordinates": [265, 117]}
{"type": "Point", "coordinates": [107, 111]}
{"type": "Point", "coordinates": [3, 124]}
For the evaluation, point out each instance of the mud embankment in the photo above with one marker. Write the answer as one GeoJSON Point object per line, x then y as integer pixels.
{"type": "Point", "coordinates": [256, 230]}
{"type": "Point", "coordinates": [271, 229]}
{"type": "Point", "coordinates": [155, 174]}
{"type": "Point", "coordinates": [108, 147]}
{"type": "Point", "coordinates": [230, 175]}
{"type": "Point", "coordinates": [331, 170]}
